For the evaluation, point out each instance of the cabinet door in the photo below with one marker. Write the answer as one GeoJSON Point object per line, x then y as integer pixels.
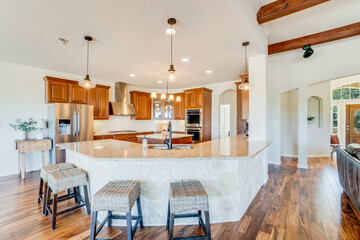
{"type": "Point", "coordinates": [103, 103]}
{"type": "Point", "coordinates": [198, 100]}
{"type": "Point", "coordinates": [57, 92]}
{"type": "Point", "coordinates": [93, 100]}
{"type": "Point", "coordinates": [77, 94]}
{"type": "Point", "coordinates": [147, 108]}
{"type": "Point", "coordinates": [179, 108]}
{"type": "Point", "coordinates": [189, 99]}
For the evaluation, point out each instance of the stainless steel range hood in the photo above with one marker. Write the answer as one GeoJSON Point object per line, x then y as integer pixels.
{"type": "Point", "coordinates": [122, 105]}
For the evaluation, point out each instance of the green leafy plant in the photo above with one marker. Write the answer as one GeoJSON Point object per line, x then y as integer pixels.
{"type": "Point", "coordinates": [25, 126]}
{"type": "Point", "coordinates": [310, 119]}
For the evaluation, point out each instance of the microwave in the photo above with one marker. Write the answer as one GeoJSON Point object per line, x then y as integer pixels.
{"type": "Point", "coordinates": [193, 118]}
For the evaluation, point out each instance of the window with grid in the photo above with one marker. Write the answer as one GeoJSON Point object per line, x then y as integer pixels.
{"type": "Point", "coordinates": [348, 91]}
{"type": "Point", "coordinates": [335, 120]}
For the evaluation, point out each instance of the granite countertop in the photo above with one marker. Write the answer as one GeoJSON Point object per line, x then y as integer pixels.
{"type": "Point", "coordinates": [228, 147]}
{"type": "Point", "coordinates": [162, 137]}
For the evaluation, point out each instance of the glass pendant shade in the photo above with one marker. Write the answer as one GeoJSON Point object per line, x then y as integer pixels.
{"type": "Point", "coordinates": [171, 97]}
{"type": "Point", "coordinates": [153, 95]}
{"type": "Point", "coordinates": [87, 83]}
{"type": "Point", "coordinates": [163, 96]}
{"type": "Point", "coordinates": [178, 99]}
{"type": "Point", "coordinates": [245, 85]}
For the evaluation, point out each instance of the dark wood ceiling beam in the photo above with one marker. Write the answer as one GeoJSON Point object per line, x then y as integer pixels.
{"type": "Point", "coordinates": [282, 8]}
{"type": "Point", "coordinates": [317, 38]}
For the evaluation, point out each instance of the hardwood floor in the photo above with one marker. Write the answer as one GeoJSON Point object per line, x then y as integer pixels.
{"type": "Point", "coordinates": [294, 204]}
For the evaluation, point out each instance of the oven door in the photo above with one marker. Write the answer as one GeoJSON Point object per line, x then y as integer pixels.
{"type": "Point", "coordinates": [196, 132]}
{"type": "Point", "coordinates": [194, 120]}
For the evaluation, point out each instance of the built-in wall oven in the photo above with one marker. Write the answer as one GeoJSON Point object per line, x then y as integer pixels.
{"type": "Point", "coordinates": [193, 118]}
{"type": "Point", "coordinates": [196, 132]}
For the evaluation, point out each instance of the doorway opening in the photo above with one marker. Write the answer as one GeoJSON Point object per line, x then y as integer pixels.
{"type": "Point", "coordinates": [224, 120]}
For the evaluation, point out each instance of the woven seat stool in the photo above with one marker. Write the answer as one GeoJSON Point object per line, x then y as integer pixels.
{"type": "Point", "coordinates": [187, 197]}
{"type": "Point", "coordinates": [44, 175]}
{"type": "Point", "coordinates": [117, 196]}
{"type": "Point", "coordinates": [63, 180]}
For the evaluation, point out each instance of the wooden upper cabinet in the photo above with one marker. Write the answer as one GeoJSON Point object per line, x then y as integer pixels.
{"type": "Point", "coordinates": [56, 91]}
{"type": "Point", "coordinates": [194, 98]}
{"type": "Point", "coordinates": [179, 107]}
{"type": "Point", "coordinates": [78, 94]}
{"type": "Point", "coordinates": [99, 98]}
{"type": "Point", "coordinates": [59, 90]}
{"type": "Point", "coordinates": [189, 102]}
{"type": "Point", "coordinates": [142, 103]}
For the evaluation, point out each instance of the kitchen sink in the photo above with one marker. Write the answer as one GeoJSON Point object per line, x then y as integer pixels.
{"type": "Point", "coordinates": [165, 147]}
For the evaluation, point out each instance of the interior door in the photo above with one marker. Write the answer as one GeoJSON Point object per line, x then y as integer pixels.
{"type": "Point", "coordinates": [353, 123]}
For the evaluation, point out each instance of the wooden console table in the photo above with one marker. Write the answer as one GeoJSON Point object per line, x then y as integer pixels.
{"type": "Point", "coordinates": [32, 145]}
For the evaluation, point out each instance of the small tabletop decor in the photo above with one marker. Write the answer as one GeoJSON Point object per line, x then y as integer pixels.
{"type": "Point", "coordinates": [24, 127]}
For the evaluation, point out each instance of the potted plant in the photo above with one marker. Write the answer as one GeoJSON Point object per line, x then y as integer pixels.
{"type": "Point", "coordinates": [310, 119]}
{"type": "Point", "coordinates": [24, 127]}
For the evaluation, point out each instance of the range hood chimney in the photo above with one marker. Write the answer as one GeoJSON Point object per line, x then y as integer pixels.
{"type": "Point", "coordinates": [122, 105]}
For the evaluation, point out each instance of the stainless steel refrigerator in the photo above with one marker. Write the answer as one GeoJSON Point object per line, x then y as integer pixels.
{"type": "Point", "coordinates": [68, 123]}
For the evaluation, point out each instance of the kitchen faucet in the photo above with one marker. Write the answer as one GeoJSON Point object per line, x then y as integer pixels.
{"type": "Point", "coordinates": [169, 142]}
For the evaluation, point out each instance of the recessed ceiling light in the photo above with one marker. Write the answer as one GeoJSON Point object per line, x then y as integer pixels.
{"type": "Point", "coordinates": [132, 75]}
{"type": "Point", "coordinates": [170, 31]}
{"type": "Point", "coordinates": [61, 40]}
{"type": "Point", "coordinates": [208, 71]}
{"type": "Point", "coordinates": [185, 60]}
{"type": "Point", "coordinates": [160, 81]}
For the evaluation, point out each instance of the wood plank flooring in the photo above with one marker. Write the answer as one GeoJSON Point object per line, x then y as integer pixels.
{"type": "Point", "coordinates": [294, 204]}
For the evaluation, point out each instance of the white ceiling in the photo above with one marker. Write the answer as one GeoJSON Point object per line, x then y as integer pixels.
{"type": "Point", "coordinates": [129, 38]}
{"type": "Point", "coordinates": [322, 17]}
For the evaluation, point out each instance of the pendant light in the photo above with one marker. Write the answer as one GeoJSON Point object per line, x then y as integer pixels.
{"type": "Point", "coordinates": [245, 85]}
{"type": "Point", "coordinates": [171, 71]}
{"type": "Point", "coordinates": [87, 83]}
{"type": "Point", "coordinates": [178, 99]}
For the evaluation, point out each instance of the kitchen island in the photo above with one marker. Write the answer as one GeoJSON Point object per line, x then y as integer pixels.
{"type": "Point", "coordinates": [231, 169]}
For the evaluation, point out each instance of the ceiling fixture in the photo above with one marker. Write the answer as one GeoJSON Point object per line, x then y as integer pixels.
{"type": "Point", "coordinates": [170, 31]}
{"type": "Point", "coordinates": [245, 85]}
{"type": "Point", "coordinates": [208, 71]}
{"type": "Point", "coordinates": [132, 75]}
{"type": "Point", "coordinates": [308, 51]}
{"type": "Point", "coordinates": [160, 81]}
{"type": "Point", "coordinates": [185, 60]}
{"type": "Point", "coordinates": [61, 40]}
{"type": "Point", "coordinates": [87, 83]}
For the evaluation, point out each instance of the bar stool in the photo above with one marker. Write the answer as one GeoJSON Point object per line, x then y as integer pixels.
{"type": "Point", "coordinates": [185, 197]}
{"type": "Point", "coordinates": [62, 180]}
{"type": "Point", "coordinates": [116, 196]}
{"type": "Point", "coordinates": [44, 174]}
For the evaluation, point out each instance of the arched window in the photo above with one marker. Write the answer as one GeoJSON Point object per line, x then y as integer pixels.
{"type": "Point", "coordinates": [314, 112]}
{"type": "Point", "coordinates": [347, 91]}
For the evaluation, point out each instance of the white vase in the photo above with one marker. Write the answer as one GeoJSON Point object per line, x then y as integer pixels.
{"type": "Point", "coordinates": [22, 135]}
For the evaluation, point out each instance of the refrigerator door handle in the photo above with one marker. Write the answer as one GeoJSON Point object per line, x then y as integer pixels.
{"type": "Point", "coordinates": [77, 123]}
{"type": "Point", "coordinates": [74, 123]}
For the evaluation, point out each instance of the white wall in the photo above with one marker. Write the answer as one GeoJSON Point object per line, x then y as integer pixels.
{"type": "Point", "coordinates": [289, 123]}
{"type": "Point", "coordinates": [319, 138]}
{"type": "Point", "coordinates": [289, 71]}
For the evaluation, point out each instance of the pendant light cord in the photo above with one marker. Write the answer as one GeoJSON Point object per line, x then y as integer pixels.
{"type": "Point", "coordinates": [245, 59]}
{"type": "Point", "coordinates": [87, 61]}
{"type": "Point", "coordinates": [171, 45]}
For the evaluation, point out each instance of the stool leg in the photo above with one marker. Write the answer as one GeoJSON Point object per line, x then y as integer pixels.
{"type": "Point", "coordinates": [47, 195]}
{"type": "Point", "coordinates": [87, 202]}
{"type": "Point", "coordinates": [168, 217]}
{"type": "Point", "coordinates": [41, 191]}
{"type": "Point", "coordinates": [129, 226]}
{"type": "Point", "coordinates": [171, 226]}
{"type": "Point", "coordinates": [138, 203]}
{"type": "Point", "coordinates": [93, 225]}
{"type": "Point", "coordinates": [54, 212]}
{"type": "Point", "coordinates": [208, 226]}
{"type": "Point", "coordinates": [76, 195]}
{"type": "Point", "coordinates": [199, 213]}
{"type": "Point", "coordinates": [110, 219]}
